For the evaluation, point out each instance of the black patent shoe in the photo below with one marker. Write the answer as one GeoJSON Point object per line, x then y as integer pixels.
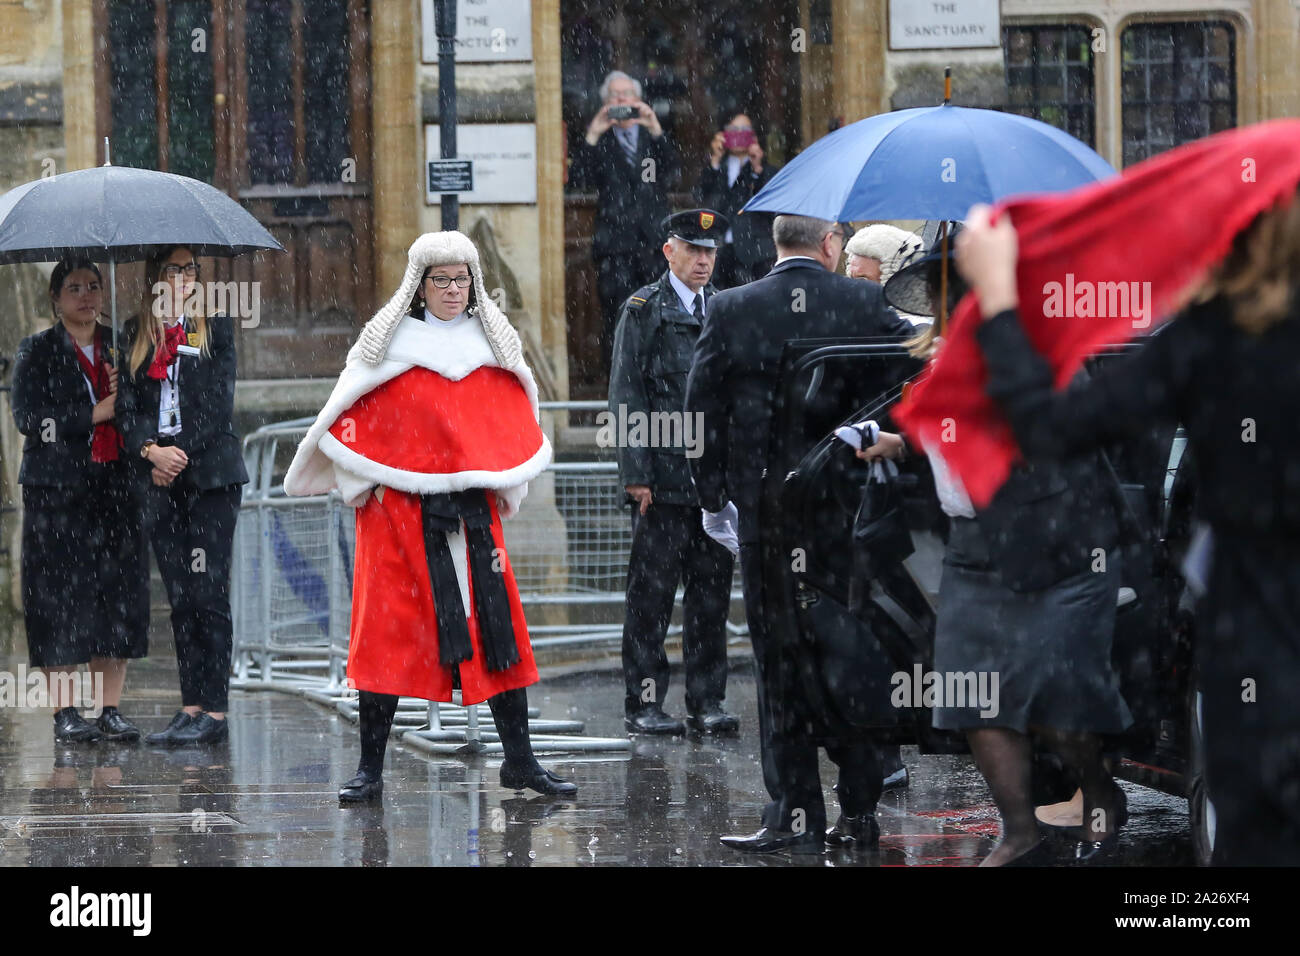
{"type": "Point", "coordinates": [164, 736]}
{"type": "Point", "coordinates": [772, 840]}
{"type": "Point", "coordinates": [116, 728]}
{"type": "Point", "coordinates": [203, 730]}
{"type": "Point", "coordinates": [362, 788]}
{"type": "Point", "coordinates": [71, 728]}
{"type": "Point", "coordinates": [860, 833]}
{"type": "Point", "coordinates": [536, 778]}
{"type": "Point", "coordinates": [715, 721]}
{"type": "Point", "coordinates": [1096, 852]}
{"type": "Point", "coordinates": [653, 721]}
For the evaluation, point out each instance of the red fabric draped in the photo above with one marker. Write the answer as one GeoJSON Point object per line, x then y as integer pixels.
{"type": "Point", "coordinates": [1098, 266]}
{"type": "Point", "coordinates": [166, 350]}
{"type": "Point", "coordinates": [105, 440]}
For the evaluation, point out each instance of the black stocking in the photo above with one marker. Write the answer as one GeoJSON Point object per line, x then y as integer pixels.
{"type": "Point", "coordinates": [510, 713]}
{"type": "Point", "coordinates": [376, 712]}
{"type": "Point", "coordinates": [1003, 757]}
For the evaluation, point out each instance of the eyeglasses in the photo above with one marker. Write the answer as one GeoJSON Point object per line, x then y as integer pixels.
{"type": "Point", "coordinates": [172, 270]}
{"type": "Point", "coordinates": [442, 282]}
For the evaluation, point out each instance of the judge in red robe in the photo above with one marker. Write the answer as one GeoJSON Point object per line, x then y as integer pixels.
{"type": "Point", "coordinates": [432, 434]}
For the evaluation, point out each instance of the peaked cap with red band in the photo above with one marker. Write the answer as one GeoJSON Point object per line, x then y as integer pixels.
{"type": "Point", "coordinates": [1156, 229]}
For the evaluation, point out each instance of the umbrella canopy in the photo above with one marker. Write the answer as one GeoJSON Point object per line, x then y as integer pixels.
{"type": "Point", "coordinates": [932, 162]}
{"type": "Point", "coordinates": [120, 214]}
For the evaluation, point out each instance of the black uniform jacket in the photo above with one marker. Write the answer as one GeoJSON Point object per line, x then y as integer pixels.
{"type": "Point", "coordinates": [751, 233]}
{"type": "Point", "coordinates": [631, 198]}
{"type": "Point", "coordinates": [737, 361]}
{"type": "Point", "coordinates": [52, 408]}
{"type": "Point", "coordinates": [207, 405]}
{"type": "Point", "coordinates": [653, 346]}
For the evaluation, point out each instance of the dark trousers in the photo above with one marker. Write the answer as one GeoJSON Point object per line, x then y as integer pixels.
{"type": "Point", "coordinates": [790, 761]}
{"type": "Point", "coordinates": [669, 545]}
{"type": "Point", "coordinates": [617, 277]}
{"type": "Point", "coordinates": [193, 533]}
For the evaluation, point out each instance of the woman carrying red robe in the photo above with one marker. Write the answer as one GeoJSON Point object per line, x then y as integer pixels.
{"type": "Point", "coordinates": [432, 434]}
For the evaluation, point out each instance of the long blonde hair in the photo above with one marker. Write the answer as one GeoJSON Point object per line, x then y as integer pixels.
{"type": "Point", "coordinates": [1258, 276]}
{"type": "Point", "coordinates": [146, 342]}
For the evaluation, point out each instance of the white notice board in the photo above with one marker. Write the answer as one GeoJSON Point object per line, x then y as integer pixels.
{"type": "Point", "coordinates": [505, 160]}
{"type": "Point", "coordinates": [943, 24]}
{"type": "Point", "coordinates": [487, 31]}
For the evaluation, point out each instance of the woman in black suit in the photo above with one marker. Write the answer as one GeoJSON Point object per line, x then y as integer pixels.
{"type": "Point", "coordinates": [177, 401]}
{"type": "Point", "coordinates": [84, 599]}
{"type": "Point", "coordinates": [1227, 370]}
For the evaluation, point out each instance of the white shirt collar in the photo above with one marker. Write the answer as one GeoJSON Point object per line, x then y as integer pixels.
{"type": "Point", "coordinates": [438, 323]}
{"type": "Point", "coordinates": [733, 167]}
{"type": "Point", "coordinates": [788, 258]}
{"type": "Point", "coordinates": [684, 293]}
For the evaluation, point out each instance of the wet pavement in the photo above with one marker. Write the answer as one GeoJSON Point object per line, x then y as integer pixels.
{"type": "Point", "coordinates": [269, 796]}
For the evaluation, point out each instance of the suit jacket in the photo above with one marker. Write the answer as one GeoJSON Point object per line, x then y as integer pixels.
{"type": "Point", "coordinates": [207, 406]}
{"type": "Point", "coordinates": [751, 234]}
{"type": "Point", "coordinates": [737, 361]}
{"type": "Point", "coordinates": [52, 408]}
{"type": "Point", "coordinates": [628, 207]}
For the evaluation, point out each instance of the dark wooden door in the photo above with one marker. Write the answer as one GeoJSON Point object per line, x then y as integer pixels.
{"type": "Point", "coordinates": [269, 101]}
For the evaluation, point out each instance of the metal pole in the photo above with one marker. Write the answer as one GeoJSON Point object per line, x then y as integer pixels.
{"type": "Point", "coordinates": [445, 28]}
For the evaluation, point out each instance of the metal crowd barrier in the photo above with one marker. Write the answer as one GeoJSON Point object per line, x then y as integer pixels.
{"type": "Point", "coordinates": [292, 587]}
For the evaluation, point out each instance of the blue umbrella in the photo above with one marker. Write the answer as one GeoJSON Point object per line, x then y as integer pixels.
{"type": "Point", "coordinates": [932, 162]}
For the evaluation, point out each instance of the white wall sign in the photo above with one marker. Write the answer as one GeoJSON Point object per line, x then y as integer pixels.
{"type": "Point", "coordinates": [943, 24]}
{"type": "Point", "coordinates": [487, 31]}
{"type": "Point", "coordinates": [505, 160]}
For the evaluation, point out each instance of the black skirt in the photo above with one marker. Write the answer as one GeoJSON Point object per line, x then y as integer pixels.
{"type": "Point", "coordinates": [85, 570]}
{"type": "Point", "coordinates": [1045, 655]}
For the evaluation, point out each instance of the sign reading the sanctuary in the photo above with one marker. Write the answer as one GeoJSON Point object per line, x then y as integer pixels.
{"type": "Point", "coordinates": [943, 24]}
{"type": "Point", "coordinates": [487, 31]}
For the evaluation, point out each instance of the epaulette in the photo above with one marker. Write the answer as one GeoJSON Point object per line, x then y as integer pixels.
{"type": "Point", "coordinates": [640, 297]}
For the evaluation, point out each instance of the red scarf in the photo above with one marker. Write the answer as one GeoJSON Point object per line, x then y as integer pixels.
{"type": "Point", "coordinates": [1164, 221]}
{"type": "Point", "coordinates": [106, 442]}
{"type": "Point", "coordinates": [166, 351]}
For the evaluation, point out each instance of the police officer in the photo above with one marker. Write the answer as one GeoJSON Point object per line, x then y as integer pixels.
{"type": "Point", "coordinates": [653, 345]}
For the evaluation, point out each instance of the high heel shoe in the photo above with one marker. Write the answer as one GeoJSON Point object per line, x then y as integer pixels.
{"type": "Point", "coordinates": [1121, 817]}
{"type": "Point", "coordinates": [1096, 852]}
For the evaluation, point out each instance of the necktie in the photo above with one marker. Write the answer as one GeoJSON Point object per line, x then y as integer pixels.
{"type": "Point", "coordinates": [627, 139]}
{"type": "Point", "coordinates": [699, 306]}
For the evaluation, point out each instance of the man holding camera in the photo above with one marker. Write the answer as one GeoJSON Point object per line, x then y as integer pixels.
{"type": "Point", "coordinates": [736, 170]}
{"type": "Point", "coordinates": [628, 160]}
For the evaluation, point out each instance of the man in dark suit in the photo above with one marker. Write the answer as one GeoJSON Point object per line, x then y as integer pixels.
{"type": "Point", "coordinates": [736, 170]}
{"type": "Point", "coordinates": [630, 163]}
{"type": "Point", "coordinates": [733, 383]}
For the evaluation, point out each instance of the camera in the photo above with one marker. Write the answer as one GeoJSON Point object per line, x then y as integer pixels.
{"type": "Point", "coordinates": [622, 112]}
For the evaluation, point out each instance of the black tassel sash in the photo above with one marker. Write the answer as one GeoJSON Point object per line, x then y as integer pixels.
{"type": "Point", "coordinates": [444, 513]}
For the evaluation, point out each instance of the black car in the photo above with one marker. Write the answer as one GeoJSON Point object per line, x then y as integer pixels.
{"type": "Point", "coordinates": [846, 647]}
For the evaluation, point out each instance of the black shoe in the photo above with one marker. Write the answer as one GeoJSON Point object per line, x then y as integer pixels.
{"type": "Point", "coordinates": [858, 833]}
{"type": "Point", "coordinates": [117, 728]}
{"type": "Point", "coordinates": [652, 720]}
{"type": "Point", "coordinates": [897, 780]}
{"type": "Point", "coordinates": [1121, 816]}
{"type": "Point", "coordinates": [71, 728]}
{"type": "Point", "coordinates": [536, 778]}
{"type": "Point", "coordinates": [164, 736]}
{"type": "Point", "coordinates": [1094, 853]}
{"type": "Point", "coordinates": [771, 840]}
{"type": "Point", "coordinates": [202, 730]}
{"type": "Point", "coordinates": [362, 788]}
{"type": "Point", "coordinates": [714, 720]}
{"type": "Point", "coordinates": [1040, 854]}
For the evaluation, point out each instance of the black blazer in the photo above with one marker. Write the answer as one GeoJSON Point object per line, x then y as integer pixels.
{"type": "Point", "coordinates": [628, 208]}
{"type": "Point", "coordinates": [751, 234]}
{"type": "Point", "coordinates": [51, 401]}
{"type": "Point", "coordinates": [207, 387]}
{"type": "Point", "coordinates": [737, 360]}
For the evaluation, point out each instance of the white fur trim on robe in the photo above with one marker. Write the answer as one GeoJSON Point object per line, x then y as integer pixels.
{"type": "Point", "coordinates": [322, 463]}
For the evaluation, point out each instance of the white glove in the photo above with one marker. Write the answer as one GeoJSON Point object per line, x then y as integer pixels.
{"type": "Point", "coordinates": [723, 527]}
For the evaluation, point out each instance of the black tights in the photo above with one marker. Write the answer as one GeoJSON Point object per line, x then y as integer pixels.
{"type": "Point", "coordinates": [509, 713]}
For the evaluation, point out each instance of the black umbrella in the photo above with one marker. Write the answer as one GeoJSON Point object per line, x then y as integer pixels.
{"type": "Point", "coordinates": [119, 214]}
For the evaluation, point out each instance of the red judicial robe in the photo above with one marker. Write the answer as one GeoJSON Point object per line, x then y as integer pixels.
{"type": "Point", "coordinates": [437, 415]}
